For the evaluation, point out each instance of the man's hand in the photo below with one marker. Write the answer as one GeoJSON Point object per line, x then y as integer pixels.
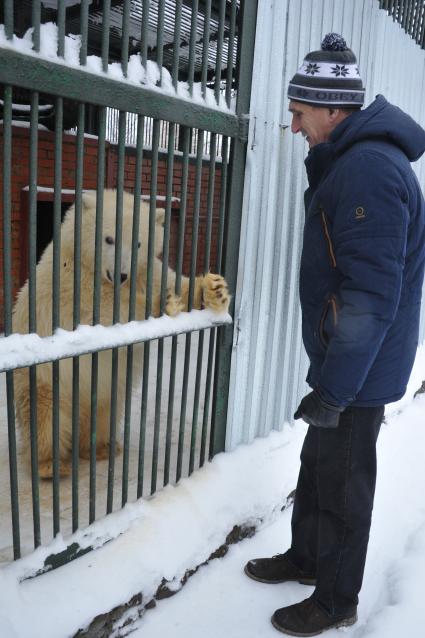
{"type": "Point", "coordinates": [315, 411]}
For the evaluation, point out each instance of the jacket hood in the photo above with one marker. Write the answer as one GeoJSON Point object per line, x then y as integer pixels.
{"type": "Point", "coordinates": [381, 120]}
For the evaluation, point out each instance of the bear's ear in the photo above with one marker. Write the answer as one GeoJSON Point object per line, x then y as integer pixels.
{"type": "Point", "coordinates": [89, 199]}
{"type": "Point", "coordinates": [160, 216]}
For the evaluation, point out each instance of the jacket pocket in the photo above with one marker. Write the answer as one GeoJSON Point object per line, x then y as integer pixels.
{"type": "Point", "coordinates": [328, 320]}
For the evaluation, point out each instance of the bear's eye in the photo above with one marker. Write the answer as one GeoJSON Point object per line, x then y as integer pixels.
{"type": "Point", "coordinates": [109, 240]}
{"type": "Point", "coordinates": [138, 244]}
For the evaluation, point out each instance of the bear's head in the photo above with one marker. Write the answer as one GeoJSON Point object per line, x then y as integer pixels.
{"type": "Point", "coordinates": [109, 244]}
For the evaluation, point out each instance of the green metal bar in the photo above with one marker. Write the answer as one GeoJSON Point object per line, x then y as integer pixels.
{"type": "Point", "coordinates": [160, 39]}
{"type": "Point", "coordinates": [176, 45]}
{"type": "Point", "coordinates": [205, 48]}
{"type": "Point", "coordinates": [149, 292]}
{"type": "Point", "coordinates": [145, 25]}
{"type": "Point", "coordinates": [96, 308]}
{"type": "Point", "coordinates": [171, 393]}
{"type": "Point", "coordinates": [8, 19]}
{"type": "Point", "coordinates": [56, 306]}
{"type": "Point", "coordinates": [207, 398]}
{"type": "Point", "coordinates": [197, 393]}
{"type": "Point", "coordinates": [106, 16]}
{"type": "Point", "coordinates": [125, 36]}
{"type": "Point", "coordinates": [84, 25]}
{"type": "Point", "coordinates": [116, 311]}
{"type": "Point", "coordinates": [230, 52]}
{"type": "Point", "coordinates": [194, 246]}
{"type": "Point", "coordinates": [183, 208]}
{"type": "Point", "coordinates": [143, 414]}
{"type": "Point", "coordinates": [77, 84]}
{"type": "Point", "coordinates": [61, 16]}
{"type": "Point", "coordinates": [163, 296]}
{"type": "Point", "coordinates": [232, 229]}
{"type": "Point", "coordinates": [192, 45]}
{"type": "Point", "coordinates": [183, 406]}
{"type": "Point", "coordinates": [32, 258]}
{"type": "Point", "coordinates": [179, 266]}
{"type": "Point", "coordinates": [76, 315]}
{"type": "Point", "coordinates": [157, 419]}
{"type": "Point", "coordinates": [132, 306]}
{"type": "Point", "coordinates": [36, 25]}
{"type": "Point", "coordinates": [152, 217]}
{"type": "Point", "coordinates": [7, 303]}
{"type": "Point", "coordinates": [148, 310]}
{"type": "Point", "coordinates": [219, 58]}
{"type": "Point", "coordinates": [195, 227]}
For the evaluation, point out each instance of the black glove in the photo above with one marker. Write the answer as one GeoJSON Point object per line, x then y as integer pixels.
{"type": "Point", "coordinates": [315, 411]}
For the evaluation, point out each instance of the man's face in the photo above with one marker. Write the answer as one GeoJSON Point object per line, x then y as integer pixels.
{"type": "Point", "coordinates": [314, 123]}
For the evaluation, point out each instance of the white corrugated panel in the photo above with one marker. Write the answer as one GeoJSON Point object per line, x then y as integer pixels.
{"type": "Point", "coordinates": [269, 364]}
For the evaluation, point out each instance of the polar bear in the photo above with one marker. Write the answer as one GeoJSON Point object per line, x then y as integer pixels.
{"type": "Point", "coordinates": [210, 290]}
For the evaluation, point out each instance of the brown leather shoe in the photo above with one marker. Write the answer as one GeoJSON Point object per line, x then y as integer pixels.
{"type": "Point", "coordinates": [277, 569]}
{"type": "Point", "coordinates": [307, 618]}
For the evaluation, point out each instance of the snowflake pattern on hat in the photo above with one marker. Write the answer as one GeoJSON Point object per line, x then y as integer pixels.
{"type": "Point", "coordinates": [340, 69]}
{"type": "Point", "coordinates": [312, 68]}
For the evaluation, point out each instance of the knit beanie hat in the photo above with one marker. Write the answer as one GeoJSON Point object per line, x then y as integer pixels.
{"type": "Point", "coordinates": [329, 77]}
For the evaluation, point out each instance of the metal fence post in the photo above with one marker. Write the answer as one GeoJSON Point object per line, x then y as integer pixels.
{"type": "Point", "coordinates": [248, 19]}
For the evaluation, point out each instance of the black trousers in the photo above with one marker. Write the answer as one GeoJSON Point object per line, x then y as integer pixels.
{"type": "Point", "coordinates": [333, 506]}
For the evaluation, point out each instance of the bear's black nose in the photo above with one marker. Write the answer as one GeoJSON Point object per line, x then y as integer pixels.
{"type": "Point", "coordinates": [123, 277]}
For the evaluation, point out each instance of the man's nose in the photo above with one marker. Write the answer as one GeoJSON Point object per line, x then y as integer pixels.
{"type": "Point", "coordinates": [295, 128]}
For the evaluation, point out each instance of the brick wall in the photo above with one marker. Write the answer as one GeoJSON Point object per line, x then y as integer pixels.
{"type": "Point", "coordinates": [45, 178]}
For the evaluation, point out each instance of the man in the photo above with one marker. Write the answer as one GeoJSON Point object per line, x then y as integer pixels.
{"type": "Point", "coordinates": [361, 279]}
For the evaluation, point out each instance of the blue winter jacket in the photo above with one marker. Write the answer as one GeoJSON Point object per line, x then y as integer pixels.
{"type": "Point", "coordinates": [363, 257]}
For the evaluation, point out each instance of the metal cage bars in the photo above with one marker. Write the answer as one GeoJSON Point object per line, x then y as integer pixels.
{"type": "Point", "coordinates": [218, 125]}
{"type": "Point", "coordinates": [410, 14]}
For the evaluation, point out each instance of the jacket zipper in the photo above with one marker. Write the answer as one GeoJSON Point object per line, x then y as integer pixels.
{"type": "Point", "coordinates": [328, 237]}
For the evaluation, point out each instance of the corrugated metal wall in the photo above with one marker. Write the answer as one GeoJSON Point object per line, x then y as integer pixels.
{"type": "Point", "coordinates": [269, 364]}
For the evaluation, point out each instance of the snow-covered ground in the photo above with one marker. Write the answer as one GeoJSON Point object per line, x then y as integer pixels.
{"type": "Point", "coordinates": [181, 526]}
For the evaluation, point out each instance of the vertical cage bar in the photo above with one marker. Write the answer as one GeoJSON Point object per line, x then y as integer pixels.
{"type": "Point", "coordinates": [163, 295]}
{"type": "Point", "coordinates": [35, 18]}
{"type": "Point", "coordinates": [84, 24]}
{"type": "Point", "coordinates": [160, 39]}
{"type": "Point", "coordinates": [148, 309]}
{"type": "Point", "coordinates": [232, 228]}
{"type": "Point", "coordinates": [192, 283]}
{"type": "Point", "coordinates": [197, 393]}
{"type": "Point", "coordinates": [76, 314]}
{"type": "Point", "coordinates": [56, 306]}
{"type": "Point", "coordinates": [219, 58]}
{"type": "Point", "coordinates": [106, 17]}
{"type": "Point", "coordinates": [145, 26]}
{"type": "Point", "coordinates": [179, 266]}
{"type": "Point", "coordinates": [176, 45]}
{"type": "Point", "coordinates": [8, 19]}
{"type": "Point", "coordinates": [116, 310]}
{"type": "Point", "coordinates": [205, 48]}
{"type": "Point", "coordinates": [96, 307]}
{"type": "Point", "coordinates": [7, 303]}
{"type": "Point", "coordinates": [125, 36]}
{"type": "Point", "coordinates": [230, 52]}
{"type": "Point", "coordinates": [32, 260]}
{"type": "Point", "coordinates": [149, 294]}
{"type": "Point", "coordinates": [61, 14]}
{"type": "Point", "coordinates": [132, 306]}
{"type": "Point", "coordinates": [192, 44]}
{"type": "Point", "coordinates": [213, 335]}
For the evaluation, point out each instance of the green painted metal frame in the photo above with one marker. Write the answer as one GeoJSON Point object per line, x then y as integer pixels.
{"type": "Point", "coordinates": [64, 82]}
{"type": "Point", "coordinates": [77, 84]}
